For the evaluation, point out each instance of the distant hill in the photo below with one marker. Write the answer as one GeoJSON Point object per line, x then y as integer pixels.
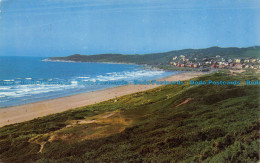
{"type": "Point", "coordinates": [165, 57]}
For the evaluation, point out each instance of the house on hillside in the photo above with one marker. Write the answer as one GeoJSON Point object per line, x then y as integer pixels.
{"type": "Point", "coordinates": [174, 58]}
{"type": "Point", "coordinates": [246, 60]}
{"type": "Point", "coordinates": [230, 60]}
{"type": "Point", "coordinates": [237, 60]}
{"type": "Point", "coordinates": [214, 65]}
{"type": "Point", "coordinates": [252, 60]}
{"type": "Point", "coordinates": [238, 66]}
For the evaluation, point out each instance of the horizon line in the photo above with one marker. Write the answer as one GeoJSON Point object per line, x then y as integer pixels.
{"type": "Point", "coordinates": [137, 53]}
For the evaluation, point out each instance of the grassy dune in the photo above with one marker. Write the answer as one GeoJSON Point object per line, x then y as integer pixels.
{"type": "Point", "coordinates": [166, 124]}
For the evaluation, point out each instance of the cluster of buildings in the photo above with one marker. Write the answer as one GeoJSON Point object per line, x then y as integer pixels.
{"type": "Point", "coordinates": [215, 62]}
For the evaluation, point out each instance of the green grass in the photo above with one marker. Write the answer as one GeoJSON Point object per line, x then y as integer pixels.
{"type": "Point", "coordinates": [218, 124]}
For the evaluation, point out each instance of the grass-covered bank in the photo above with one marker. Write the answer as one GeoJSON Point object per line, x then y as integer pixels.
{"type": "Point", "coordinates": [169, 123]}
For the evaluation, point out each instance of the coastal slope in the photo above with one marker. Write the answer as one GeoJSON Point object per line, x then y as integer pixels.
{"type": "Point", "coordinates": [167, 124]}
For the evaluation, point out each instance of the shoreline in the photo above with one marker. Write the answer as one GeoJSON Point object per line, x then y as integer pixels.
{"type": "Point", "coordinates": [145, 66]}
{"type": "Point", "coordinates": [26, 112]}
{"type": "Point", "coordinates": [70, 61]}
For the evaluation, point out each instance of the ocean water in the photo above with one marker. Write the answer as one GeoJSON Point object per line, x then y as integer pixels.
{"type": "Point", "coordinates": [30, 69]}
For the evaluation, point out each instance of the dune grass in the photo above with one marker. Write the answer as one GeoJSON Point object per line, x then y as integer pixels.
{"type": "Point", "coordinates": [166, 124]}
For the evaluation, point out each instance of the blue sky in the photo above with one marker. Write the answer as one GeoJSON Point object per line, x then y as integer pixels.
{"type": "Point", "coordinates": [65, 27]}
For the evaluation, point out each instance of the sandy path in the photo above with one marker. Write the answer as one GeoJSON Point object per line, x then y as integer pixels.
{"type": "Point", "coordinates": [16, 114]}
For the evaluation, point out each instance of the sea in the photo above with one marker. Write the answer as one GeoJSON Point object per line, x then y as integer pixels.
{"type": "Point", "coordinates": [20, 76]}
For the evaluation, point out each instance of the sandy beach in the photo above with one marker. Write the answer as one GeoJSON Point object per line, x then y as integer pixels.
{"type": "Point", "coordinates": [21, 113]}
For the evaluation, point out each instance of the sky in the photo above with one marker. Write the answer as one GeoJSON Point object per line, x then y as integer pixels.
{"type": "Point", "coordinates": [65, 27]}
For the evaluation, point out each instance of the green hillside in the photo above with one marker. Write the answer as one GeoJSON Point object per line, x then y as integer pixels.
{"type": "Point", "coordinates": [164, 58]}
{"type": "Point", "coordinates": [165, 124]}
